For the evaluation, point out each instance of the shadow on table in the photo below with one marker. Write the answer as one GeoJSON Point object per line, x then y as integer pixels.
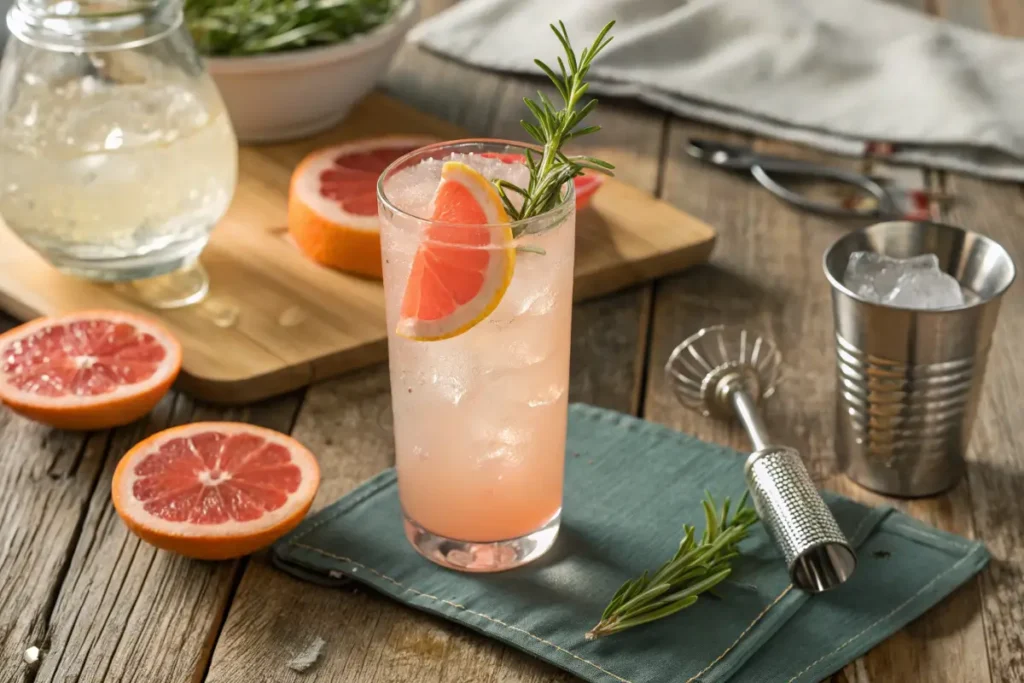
{"type": "Point", "coordinates": [713, 295]}
{"type": "Point", "coordinates": [557, 576]}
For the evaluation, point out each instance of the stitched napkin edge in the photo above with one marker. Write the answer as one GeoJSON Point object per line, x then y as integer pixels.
{"type": "Point", "coordinates": [857, 645]}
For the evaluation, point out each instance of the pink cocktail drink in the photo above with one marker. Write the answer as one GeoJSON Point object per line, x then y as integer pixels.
{"type": "Point", "coordinates": [479, 416]}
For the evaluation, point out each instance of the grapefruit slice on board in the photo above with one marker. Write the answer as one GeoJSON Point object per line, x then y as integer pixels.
{"type": "Point", "coordinates": [464, 263]}
{"type": "Point", "coordinates": [586, 185]}
{"type": "Point", "coordinates": [332, 202]}
{"type": "Point", "coordinates": [88, 370]}
{"type": "Point", "coordinates": [215, 490]}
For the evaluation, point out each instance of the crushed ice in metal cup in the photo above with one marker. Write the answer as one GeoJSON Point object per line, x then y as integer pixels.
{"type": "Point", "coordinates": [915, 282]}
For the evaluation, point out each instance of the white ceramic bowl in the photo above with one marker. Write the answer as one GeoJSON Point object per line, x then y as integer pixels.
{"type": "Point", "coordinates": [290, 95]}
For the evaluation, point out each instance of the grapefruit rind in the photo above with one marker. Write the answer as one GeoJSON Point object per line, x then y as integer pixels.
{"type": "Point", "coordinates": [500, 266]}
{"type": "Point", "coordinates": [121, 406]}
{"type": "Point", "coordinates": [483, 190]}
{"type": "Point", "coordinates": [321, 228]}
{"type": "Point", "coordinates": [306, 178]}
{"type": "Point", "coordinates": [213, 541]}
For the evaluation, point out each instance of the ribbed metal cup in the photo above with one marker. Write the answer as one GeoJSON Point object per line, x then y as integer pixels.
{"type": "Point", "coordinates": [908, 381]}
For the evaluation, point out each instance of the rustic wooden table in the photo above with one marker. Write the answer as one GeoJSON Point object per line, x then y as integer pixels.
{"type": "Point", "coordinates": [104, 607]}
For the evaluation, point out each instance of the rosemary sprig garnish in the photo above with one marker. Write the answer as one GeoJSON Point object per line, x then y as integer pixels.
{"type": "Point", "coordinates": [554, 127]}
{"type": "Point", "coordinates": [697, 567]}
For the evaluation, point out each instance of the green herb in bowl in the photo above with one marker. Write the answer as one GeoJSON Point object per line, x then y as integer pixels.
{"type": "Point", "coordinates": [223, 28]}
{"type": "Point", "coordinates": [287, 72]}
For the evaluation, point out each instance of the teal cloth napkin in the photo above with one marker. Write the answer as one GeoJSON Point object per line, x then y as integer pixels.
{"type": "Point", "coordinates": [630, 486]}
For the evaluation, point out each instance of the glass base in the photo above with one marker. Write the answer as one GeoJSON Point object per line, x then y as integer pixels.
{"type": "Point", "coordinates": [114, 265]}
{"type": "Point", "coordinates": [120, 268]}
{"type": "Point", "coordinates": [470, 556]}
{"type": "Point", "coordinates": [183, 287]}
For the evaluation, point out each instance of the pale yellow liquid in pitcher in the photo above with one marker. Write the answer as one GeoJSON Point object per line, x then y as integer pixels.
{"type": "Point", "coordinates": [93, 173]}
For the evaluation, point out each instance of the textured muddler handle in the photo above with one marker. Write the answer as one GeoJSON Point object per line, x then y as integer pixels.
{"type": "Point", "coordinates": [817, 553]}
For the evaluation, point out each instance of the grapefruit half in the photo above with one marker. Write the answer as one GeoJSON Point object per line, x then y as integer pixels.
{"type": "Point", "coordinates": [88, 370]}
{"type": "Point", "coordinates": [214, 490]}
{"type": "Point", "coordinates": [332, 202]}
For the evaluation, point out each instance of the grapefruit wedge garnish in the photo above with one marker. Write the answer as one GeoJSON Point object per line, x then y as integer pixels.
{"type": "Point", "coordinates": [465, 261]}
{"type": "Point", "coordinates": [89, 370]}
{"type": "Point", "coordinates": [332, 202]}
{"type": "Point", "coordinates": [214, 490]}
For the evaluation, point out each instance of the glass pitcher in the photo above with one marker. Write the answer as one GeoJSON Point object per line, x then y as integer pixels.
{"type": "Point", "coordinates": [116, 153]}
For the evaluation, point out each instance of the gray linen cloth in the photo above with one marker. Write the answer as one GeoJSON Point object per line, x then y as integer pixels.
{"type": "Point", "coordinates": [833, 74]}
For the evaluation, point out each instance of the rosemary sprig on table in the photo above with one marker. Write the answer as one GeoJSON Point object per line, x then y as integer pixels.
{"type": "Point", "coordinates": [697, 567]}
{"type": "Point", "coordinates": [554, 127]}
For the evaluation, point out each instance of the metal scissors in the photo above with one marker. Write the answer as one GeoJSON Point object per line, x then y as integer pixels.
{"type": "Point", "coordinates": [765, 168]}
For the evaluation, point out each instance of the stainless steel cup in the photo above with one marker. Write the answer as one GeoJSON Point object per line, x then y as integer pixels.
{"type": "Point", "coordinates": [908, 380]}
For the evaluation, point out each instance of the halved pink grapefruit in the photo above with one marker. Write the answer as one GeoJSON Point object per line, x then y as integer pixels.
{"type": "Point", "coordinates": [465, 262]}
{"type": "Point", "coordinates": [332, 202]}
{"type": "Point", "coordinates": [87, 370]}
{"type": "Point", "coordinates": [215, 490]}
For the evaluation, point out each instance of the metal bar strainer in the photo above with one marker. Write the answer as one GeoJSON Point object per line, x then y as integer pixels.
{"type": "Point", "coordinates": [724, 372]}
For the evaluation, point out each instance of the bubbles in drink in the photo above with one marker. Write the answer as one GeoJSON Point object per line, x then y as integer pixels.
{"type": "Point", "coordinates": [449, 383]}
{"type": "Point", "coordinates": [917, 282]}
{"type": "Point", "coordinates": [536, 302]}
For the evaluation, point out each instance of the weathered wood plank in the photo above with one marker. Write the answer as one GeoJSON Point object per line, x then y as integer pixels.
{"type": "Point", "coordinates": [46, 480]}
{"type": "Point", "coordinates": [273, 616]}
{"type": "Point", "coordinates": [369, 638]}
{"type": "Point", "coordinates": [995, 474]}
{"type": "Point", "coordinates": [766, 273]}
{"type": "Point", "coordinates": [126, 611]}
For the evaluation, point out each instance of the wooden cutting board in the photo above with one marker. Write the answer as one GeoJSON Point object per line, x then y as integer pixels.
{"type": "Point", "coordinates": [274, 321]}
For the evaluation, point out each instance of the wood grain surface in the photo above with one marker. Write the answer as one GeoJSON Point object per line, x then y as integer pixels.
{"type": "Point", "coordinates": [236, 347]}
{"type": "Point", "coordinates": [104, 607]}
